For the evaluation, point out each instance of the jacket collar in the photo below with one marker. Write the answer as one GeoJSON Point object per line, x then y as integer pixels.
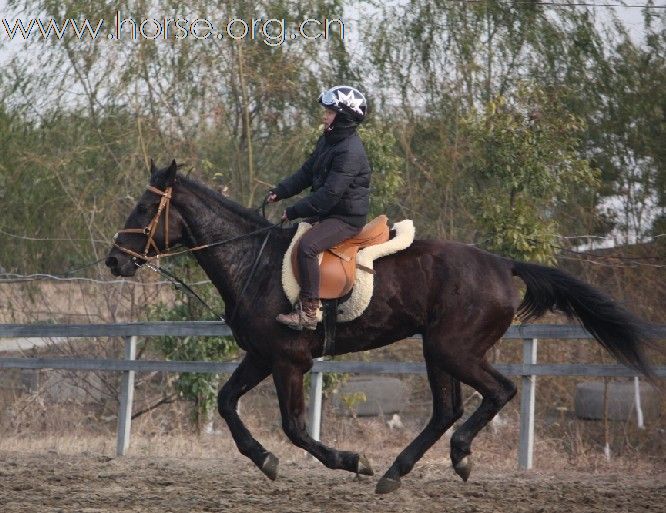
{"type": "Point", "coordinates": [337, 133]}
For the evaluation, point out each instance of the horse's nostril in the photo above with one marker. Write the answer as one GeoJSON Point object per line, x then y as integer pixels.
{"type": "Point", "coordinates": [111, 262]}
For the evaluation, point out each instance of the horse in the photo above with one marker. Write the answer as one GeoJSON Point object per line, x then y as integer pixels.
{"type": "Point", "coordinates": [459, 298]}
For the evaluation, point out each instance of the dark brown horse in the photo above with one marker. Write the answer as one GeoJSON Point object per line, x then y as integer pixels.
{"type": "Point", "coordinates": [459, 298]}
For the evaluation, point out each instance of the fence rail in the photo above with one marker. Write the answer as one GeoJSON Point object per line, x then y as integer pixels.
{"type": "Point", "coordinates": [219, 329]}
{"type": "Point", "coordinates": [351, 367]}
{"type": "Point", "coordinates": [529, 369]}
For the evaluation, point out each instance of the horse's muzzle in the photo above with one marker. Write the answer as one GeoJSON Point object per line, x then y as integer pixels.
{"type": "Point", "coordinates": [120, 265]}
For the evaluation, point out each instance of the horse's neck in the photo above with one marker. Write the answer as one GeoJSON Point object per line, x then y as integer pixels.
{"type": "Point", "coordinates": [227, 265]}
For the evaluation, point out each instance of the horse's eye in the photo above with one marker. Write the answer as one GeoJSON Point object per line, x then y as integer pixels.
{"type": "Point", "coordinates": [141, 209]}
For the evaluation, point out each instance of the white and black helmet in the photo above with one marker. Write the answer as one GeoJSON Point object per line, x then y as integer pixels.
{"type": "Point", "coordinates": [347, 100]}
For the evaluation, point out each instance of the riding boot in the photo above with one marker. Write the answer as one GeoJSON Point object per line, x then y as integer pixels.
{"type": "Point", "coordinates": [303, 316]}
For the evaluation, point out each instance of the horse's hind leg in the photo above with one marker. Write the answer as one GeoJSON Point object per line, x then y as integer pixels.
{"type": "Point", "coordinates": [289, 386]}
{"type": "Point", "coordinates": [496, 391]}
{"type": "Point", "coordinates": [446, 409]}
{"type": "Point", "coordinates": [246, 376]}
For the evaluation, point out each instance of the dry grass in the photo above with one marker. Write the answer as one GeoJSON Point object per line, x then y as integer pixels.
{"type": "Point", "coordinates": [167, 433]}
{"type": "Point", "coordinates": [492, 453]}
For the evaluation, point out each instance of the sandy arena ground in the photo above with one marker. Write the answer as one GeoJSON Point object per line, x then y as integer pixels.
{"type": "Point", "coordinates": [53, 482]}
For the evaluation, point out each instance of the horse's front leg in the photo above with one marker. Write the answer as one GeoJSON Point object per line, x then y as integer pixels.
{"type": "Point", "coordinates": [246, 376]}
{"type": "Point", "coordinates": [289, 386]}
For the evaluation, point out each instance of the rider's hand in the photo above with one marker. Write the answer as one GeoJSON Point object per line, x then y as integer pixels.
{"type": "Point", "coordinates": [271, 197]}
{"type": "Point", "coordinates": [284, 216]}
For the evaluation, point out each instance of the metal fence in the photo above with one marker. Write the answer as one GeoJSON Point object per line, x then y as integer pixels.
{"type": "Point", "coordinates": [529, 369]}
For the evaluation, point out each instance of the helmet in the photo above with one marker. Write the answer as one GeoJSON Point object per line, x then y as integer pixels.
{"type": "Point", "coordinates": [345, 100]}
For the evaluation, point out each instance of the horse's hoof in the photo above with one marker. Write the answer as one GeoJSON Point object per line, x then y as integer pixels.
{"type": "Point", "coordinates": [363, 466]}
{"type": "Point", "coordinates": [387, 485]}
{"type": "Point", "coordinates": [270, 466]}
{"type": "Point", "coordinates": [464, 468]}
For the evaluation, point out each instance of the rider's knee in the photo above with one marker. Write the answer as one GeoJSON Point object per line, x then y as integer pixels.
{"type": "Point", "coordinates": [308, 251]}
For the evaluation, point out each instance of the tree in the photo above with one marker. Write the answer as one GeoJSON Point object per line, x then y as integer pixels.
{"type": "Point", "coordinates": [523, 161]}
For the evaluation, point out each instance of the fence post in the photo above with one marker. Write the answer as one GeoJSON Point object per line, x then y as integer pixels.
{"type": "Point", "coordinates": [637, 402]}
{"type": "Point", "coordinates": [126, 398]}
{"type": "Point", "coordinates": [526, 447]}
{"type": "Point", "coordinates": [316, 385]}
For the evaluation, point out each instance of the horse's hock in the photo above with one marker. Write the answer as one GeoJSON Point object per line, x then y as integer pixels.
{"type": "Point", "coordinates": [372, 396]}
{"type": "Point", "coordinates": [589, 400]}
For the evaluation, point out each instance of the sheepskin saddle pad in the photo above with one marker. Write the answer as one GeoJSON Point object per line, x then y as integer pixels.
{"type": "Point", "coordinates": [349, 265]}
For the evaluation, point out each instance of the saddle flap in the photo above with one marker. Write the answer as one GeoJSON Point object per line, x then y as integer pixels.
{"type": "Point", "coordinates": [336, 275]}
{"type": "Point", "coordinates": [337, 265]}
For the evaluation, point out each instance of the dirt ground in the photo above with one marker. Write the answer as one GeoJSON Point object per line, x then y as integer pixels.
{"type": "Point", "coordinates": [53, 482]}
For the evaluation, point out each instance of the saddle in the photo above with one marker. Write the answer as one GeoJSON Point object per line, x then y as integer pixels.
{"type": "Point", "coordinates": [345, 294]}
{"type": "Point", "coordinates": [337, 265]}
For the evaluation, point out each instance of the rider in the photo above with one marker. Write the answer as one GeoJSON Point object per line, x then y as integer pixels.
{"type": "Point", "coordinates": [339, 173]}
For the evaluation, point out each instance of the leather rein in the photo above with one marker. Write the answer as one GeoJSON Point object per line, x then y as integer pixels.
{"type": "Point", "coordinates": [150, 229]}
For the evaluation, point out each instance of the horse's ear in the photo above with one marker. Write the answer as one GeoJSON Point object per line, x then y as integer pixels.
{"type": "Point", "coordinates": [153, 167]}
{"type": "Point", "coordinates": [171, 172]}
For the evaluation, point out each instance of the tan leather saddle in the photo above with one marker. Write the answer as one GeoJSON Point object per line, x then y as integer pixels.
{"type": "Point", "coordinates": [337, 268]}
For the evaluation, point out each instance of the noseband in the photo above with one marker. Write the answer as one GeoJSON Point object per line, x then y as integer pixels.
{"type": "Point", "coordinates": [151, 228]}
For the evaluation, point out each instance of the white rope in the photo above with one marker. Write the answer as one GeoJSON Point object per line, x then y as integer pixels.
{"type": "Point", "coordinates": [18, 278]}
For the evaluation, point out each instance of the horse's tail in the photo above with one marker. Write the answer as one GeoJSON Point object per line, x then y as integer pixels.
{"type": "Point", "coordinates": [548, 289]}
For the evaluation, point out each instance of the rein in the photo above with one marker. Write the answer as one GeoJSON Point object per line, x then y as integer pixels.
{"type": "Point", "coordinates": [150, 229]}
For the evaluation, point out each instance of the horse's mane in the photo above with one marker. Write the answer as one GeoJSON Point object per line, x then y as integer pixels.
{"type": "Point", "coordinates": [216, 200]}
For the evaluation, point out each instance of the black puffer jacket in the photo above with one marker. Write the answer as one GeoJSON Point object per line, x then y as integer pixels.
{"type": "Point", "coordinates": [339, 174]}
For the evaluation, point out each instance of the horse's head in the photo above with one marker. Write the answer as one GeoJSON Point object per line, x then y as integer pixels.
{"type": "Point", "coordinates": [151, 228]}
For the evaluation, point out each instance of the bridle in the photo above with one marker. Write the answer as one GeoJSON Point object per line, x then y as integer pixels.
{"type": "Point", "coordinates": [150, 229]}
